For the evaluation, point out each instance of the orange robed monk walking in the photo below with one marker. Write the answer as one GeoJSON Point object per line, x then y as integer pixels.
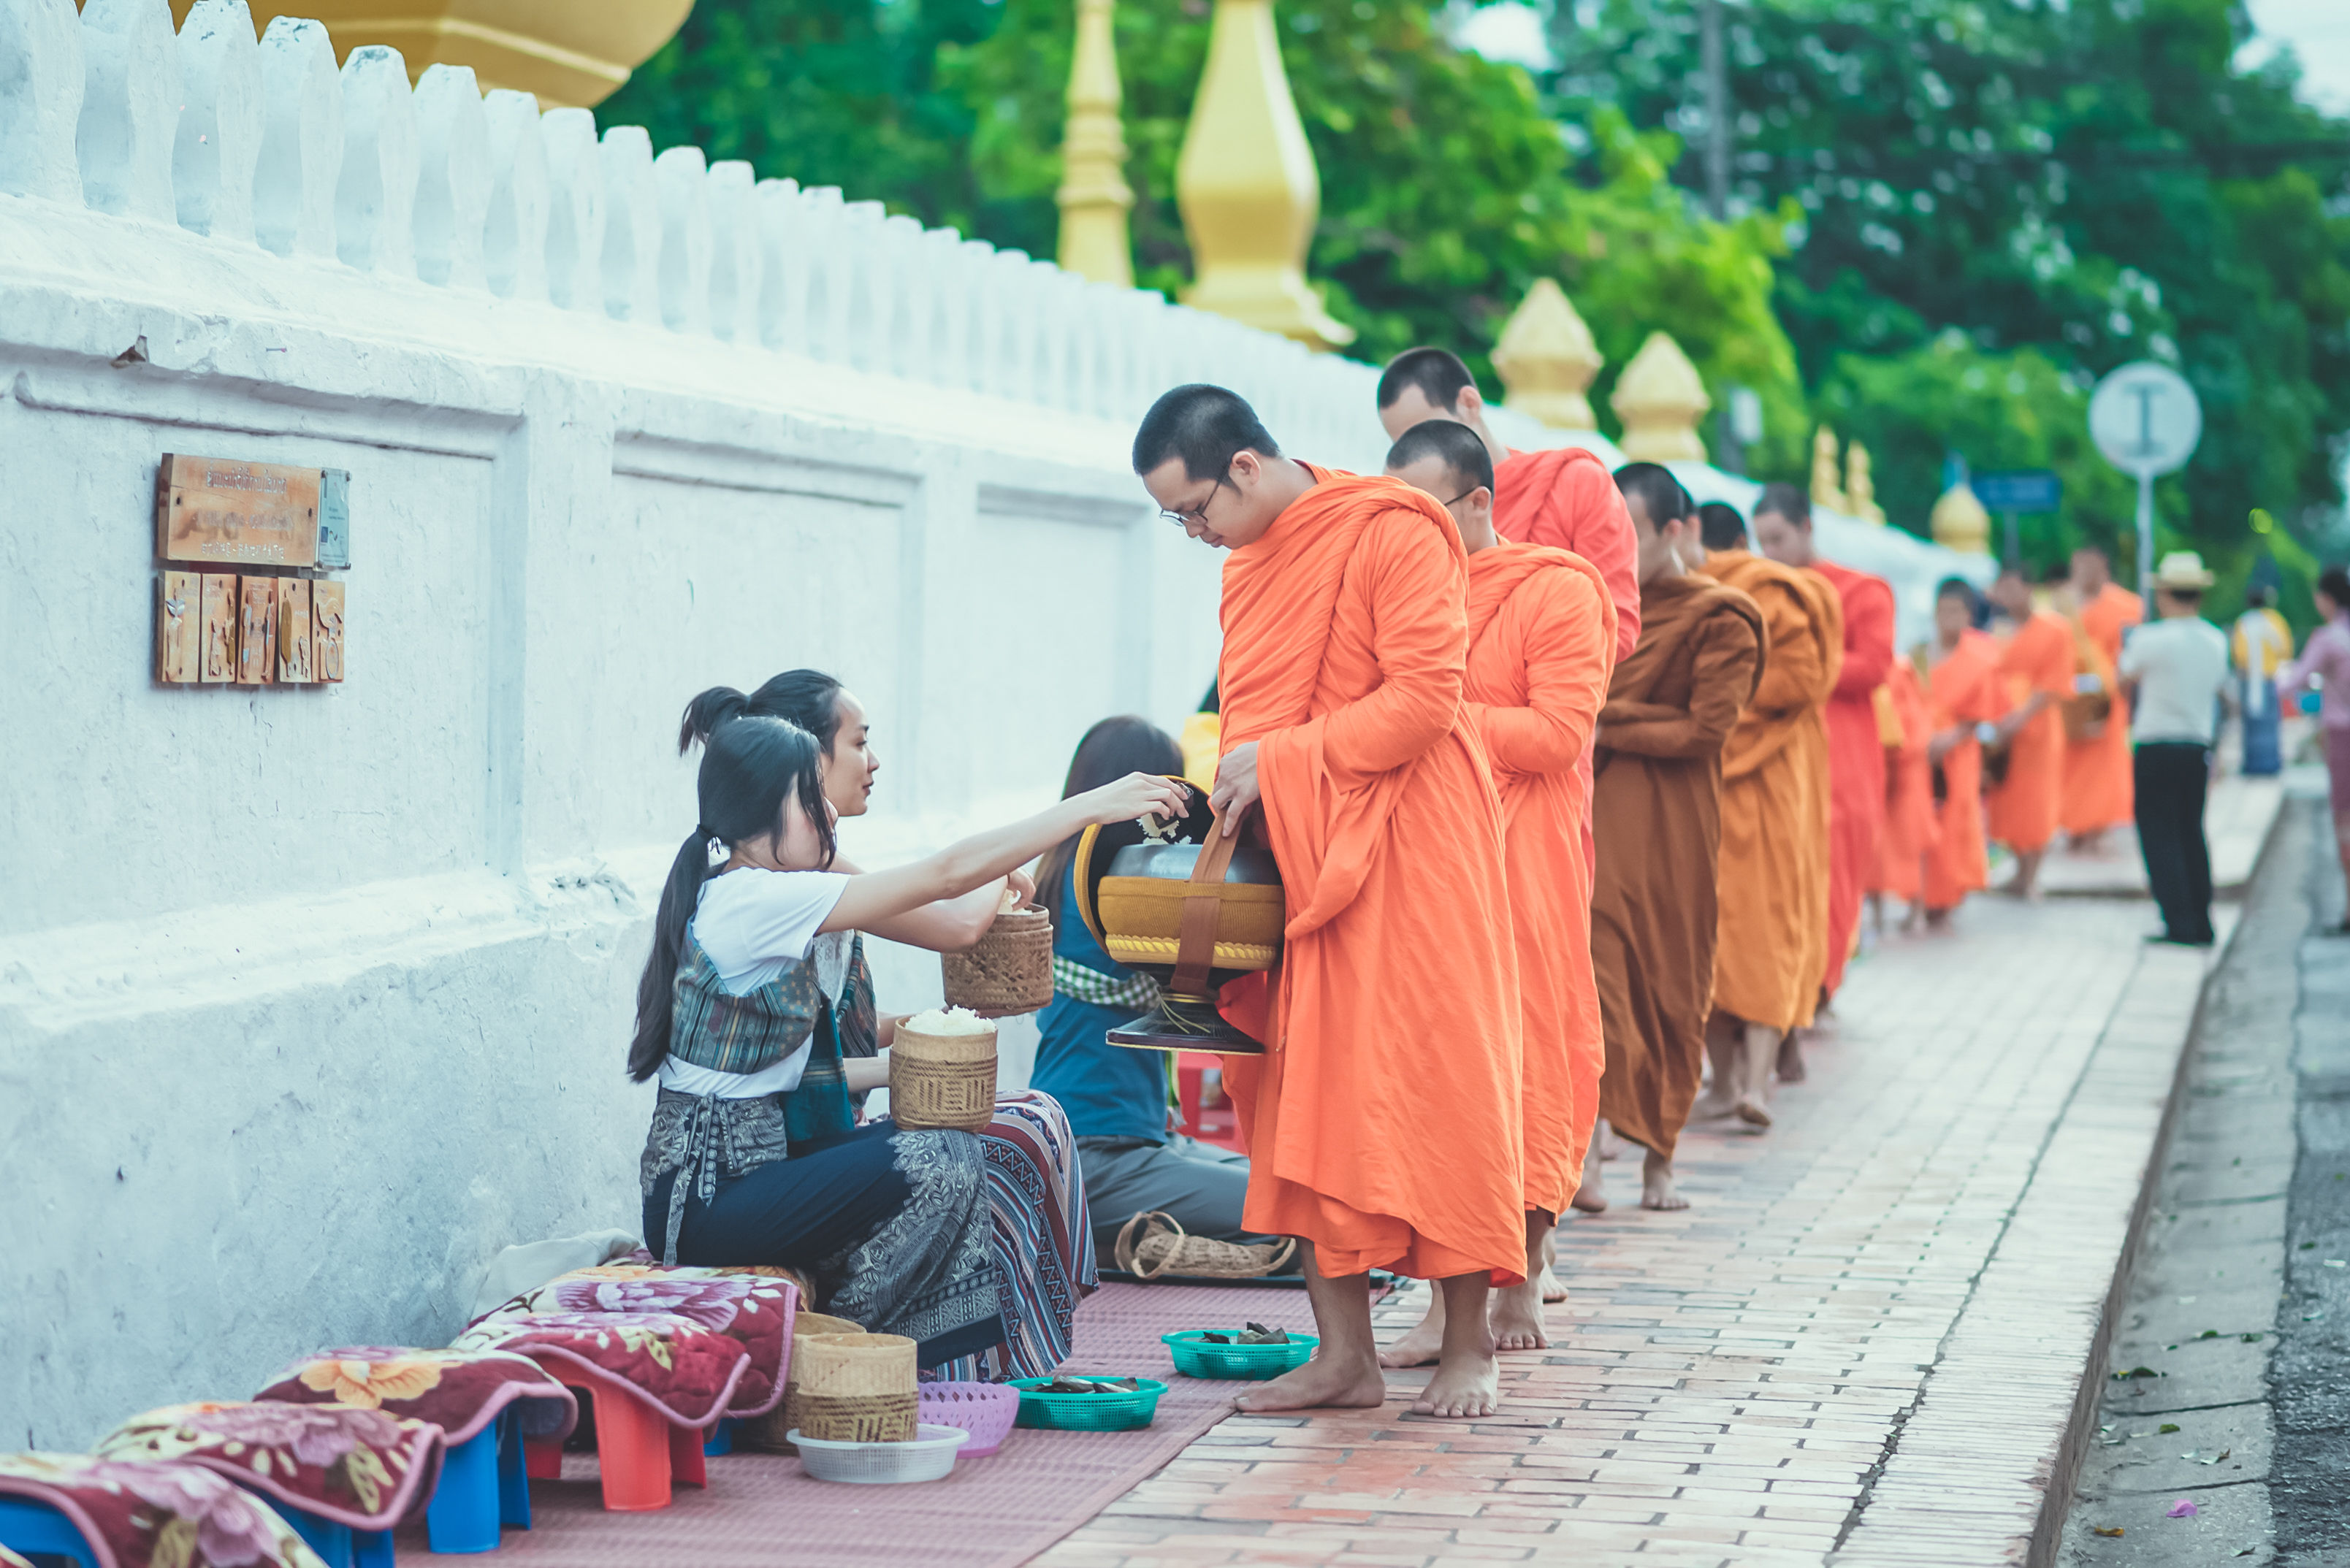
{"type": "Point", "coordinates": [1772, 950]}
{"type": "Point", "coordinates": [2037, 667]}
{"type": "Point", "coordinates": [1962, 694]}
{"type": "Point", "coordinates": [1541, 644]}
{"type": "Point", "coordinates": [1383, 1120]}
{"type": "Point", "coordinates": [1783, 530]}
{"type": "Point", "coordinates": [1654, 919]}
{"type": "Point", "coordinates": [1909, 831]}
{"type": "Point", "coordinates": [2097, 784]}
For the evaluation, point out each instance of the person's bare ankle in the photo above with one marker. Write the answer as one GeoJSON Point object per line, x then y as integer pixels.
{"type": "Point", "coordinates": [1324, 1383]}
{"type": "Point", "coordinates": [1657, 1189]}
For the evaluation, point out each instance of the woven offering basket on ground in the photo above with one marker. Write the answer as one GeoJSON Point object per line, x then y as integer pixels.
{"type": "Point", "coordinates": [1010, 971]}
{"type": "Point", "coordinates": [856, 1387]}
{"type": "Point", "coordinates": [767, 1433]}
{"type": "Point", "coordinates": [940, 1079]}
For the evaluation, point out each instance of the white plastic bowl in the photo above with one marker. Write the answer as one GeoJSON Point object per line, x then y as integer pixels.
{"type": "Point", "coordinates": [929, 1456]}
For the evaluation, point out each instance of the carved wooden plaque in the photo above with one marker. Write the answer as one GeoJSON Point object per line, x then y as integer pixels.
{"type": "Point", "coordinates": [256, 631]}
{"type": "Point", "coordinates": [326, 630]}
{"type": "Point", "coordinates": [218, 656]}
{"type": "Point", "coordinates": [294, 632]}
{"type": "Point", "coordinates": [213, 510]}
{"type": "Point", "coordinates": [179, 617]}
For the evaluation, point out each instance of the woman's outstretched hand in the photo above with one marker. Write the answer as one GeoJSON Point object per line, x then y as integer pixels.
{"type": "Point", "coordinates": [1137, 795]}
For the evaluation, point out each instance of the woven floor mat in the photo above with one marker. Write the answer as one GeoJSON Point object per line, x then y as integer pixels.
{"type": "Point", "coordinates": [761, 1509]}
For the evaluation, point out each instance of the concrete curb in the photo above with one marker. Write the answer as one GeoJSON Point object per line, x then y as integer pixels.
{"type": "Point", "coordinates": [1983, 1469]}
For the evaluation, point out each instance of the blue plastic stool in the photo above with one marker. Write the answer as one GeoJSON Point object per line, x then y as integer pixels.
{"type": "Point", "coordinates": [37, 1531]}
{"type": "Point", "coordinates": [481, 1486]}
{"type": "Point", "coordinates": [338, 1544]}
{"type": "Point", "coordinates": [721, 1439]}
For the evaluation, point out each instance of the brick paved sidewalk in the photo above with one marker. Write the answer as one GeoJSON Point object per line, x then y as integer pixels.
{"type": "Point", "coordinates": [1867, 1338]}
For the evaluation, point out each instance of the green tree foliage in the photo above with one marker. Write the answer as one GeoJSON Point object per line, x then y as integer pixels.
{"type": "Point", "coordinates": [1447, 189]}
{"type": "Point", "coordinates": [2066, 186]}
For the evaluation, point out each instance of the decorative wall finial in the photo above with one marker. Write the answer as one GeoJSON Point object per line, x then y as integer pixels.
{"type": "Point", "coordinates": [1661, 398]}
{"type": "Point", "coordinates": [1547, 359]}
{"type": "Point", "coordinates": [1861, 486]}
{"type": "Point", "coordinates": [1960, 523]}
{"type": "Point", "coordinates": [1825, 490]}
{"type": "Point", "coordinates": [1094, 195]}
{"type": "Point", "coordinates": [1247, 185]}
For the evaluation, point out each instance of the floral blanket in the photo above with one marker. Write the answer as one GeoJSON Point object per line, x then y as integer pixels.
{"type": "Point", "coordinates": [459, 1391]}
{"type": "Point", "coordinates": [359, 1467]}
{"type": "Point", "coordinates": [753, 1309]}
{"type": "Point", "coordinates": [156, 1514]}
{"type": "Point", "coordinates": [686, 1372]}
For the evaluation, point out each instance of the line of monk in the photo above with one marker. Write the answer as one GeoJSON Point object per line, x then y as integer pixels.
{"type": "Point", "coordinates": [1570, 788]}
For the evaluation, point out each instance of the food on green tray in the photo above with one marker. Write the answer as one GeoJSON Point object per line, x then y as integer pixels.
{"type": "Point", "coordinates": [1090, 1385]}
{"type": "Point", "coordinates": [1256, 1333]}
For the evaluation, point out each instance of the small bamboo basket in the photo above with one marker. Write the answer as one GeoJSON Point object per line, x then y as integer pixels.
{"type": "Point", "coordinates": [767, 1433]}
{"type": "Point", "coordinates": [941, 1080]}
{"type": "Point", "coordinates": [1010, 971]}
{"type": "Point", "coordinates": [856, 1387]}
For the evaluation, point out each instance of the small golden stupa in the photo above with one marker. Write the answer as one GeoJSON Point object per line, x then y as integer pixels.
{"type": "Point", "coordinates": [1546, 358]}
{"type": "Point", "coordinates": [1825, 490]}
{"type": "Point", "coordinates": [1860, 485]}
{"type": "Point", "coordinates": [1661, 398]}
{"type": "Point", "coordinates": [1960, 523]}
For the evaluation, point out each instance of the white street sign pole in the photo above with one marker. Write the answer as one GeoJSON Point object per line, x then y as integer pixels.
{"type": "Point", "coordinates": [2147, 421]}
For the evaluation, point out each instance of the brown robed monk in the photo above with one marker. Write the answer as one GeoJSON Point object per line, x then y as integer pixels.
{"type": "Point", "coordinates": [1776, 859]}
{"type": "Point", "coordinates": [1669, 707]}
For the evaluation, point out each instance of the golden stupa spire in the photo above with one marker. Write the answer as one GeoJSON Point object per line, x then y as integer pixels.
{"type": "Point", "coordinates": [1825, 490]}
{"type": "Point", "coordinates": [1661, 398]}
{"type": "Point", "coordinates": [1859, 485]}
{"type": "Point", "coordinates": [1247, 186]}
{"type": "Point", "coordinates": [1095, 197]}
{"type": "Point", "coordinates": [1959, 521]}
{"type": "Point", "coordinates": [1547, 359]}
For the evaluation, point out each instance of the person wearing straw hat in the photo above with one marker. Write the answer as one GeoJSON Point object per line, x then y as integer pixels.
{"type": "Point", "coordinates": [2176, 671]}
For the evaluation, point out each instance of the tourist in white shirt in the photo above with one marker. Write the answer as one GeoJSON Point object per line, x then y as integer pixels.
{"type": "Point", "coordinates": [2177, 670]}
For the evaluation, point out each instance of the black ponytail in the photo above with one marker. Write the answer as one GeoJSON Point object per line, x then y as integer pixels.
{"type": "Point", "coordinates": [750, 767]}
{"type": "Point", "coordinates": [808, 697]}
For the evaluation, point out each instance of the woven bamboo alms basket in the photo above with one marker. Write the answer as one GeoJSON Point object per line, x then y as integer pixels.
{"type": "Point", "coordinates": [941, 1080]}
{"type": "Point", "coordinates": [856, 1387]}
{"type": "Point", "coordinates": [766, 1433]}
{"type": "Point", "coordinates": [1010, 971]}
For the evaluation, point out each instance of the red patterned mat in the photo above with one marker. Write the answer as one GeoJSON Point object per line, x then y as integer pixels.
{"type": "Point", "coordinates": [760, 1509]}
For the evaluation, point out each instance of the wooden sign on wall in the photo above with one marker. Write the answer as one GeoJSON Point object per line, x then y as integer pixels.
{"type": "Point", "coordinates": [210, 509]}
{"type": "Point", "coordinates": [326, 630]}
{"type": "Point", "coordinates": [218, 655]}
{"type": "Point", "coordinates": [256, 631]}
{"type": "Point", "coordinates": [294, 632]}
{"type": "Point", "coordinates": [179, 622]}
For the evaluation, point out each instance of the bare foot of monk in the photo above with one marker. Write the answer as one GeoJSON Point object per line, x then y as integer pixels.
{"type": "Point", "coordinates": [1424, 1342]}
{"type": "Point", "coordinates": [1517, 1316]}
{"type": "Point", "coordinates": [1468, 1381]}
{"type": "Point", "coordinates": [1324, 1383]}
{"type": "Point", "coordinates": [1791, 1060]}
{"type": "Point", "coordinates": [1345, 1371]}
{"type": "Point", "coordinates": [1758, 1050]}
{"type": "Point", "coordinates": [1657, 1184]}
{"type": "Point", "coordinates": [1588, 1196]}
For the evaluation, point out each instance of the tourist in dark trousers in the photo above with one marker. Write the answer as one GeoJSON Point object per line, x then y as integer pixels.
{"type": "Point", "coordinates": [2177, 669]}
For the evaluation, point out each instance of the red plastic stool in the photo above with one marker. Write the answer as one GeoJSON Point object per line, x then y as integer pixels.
{"type": "Point", "coordinates": [1206, 1111]}
{"type": "Point", "coordinates": [639, 1451]}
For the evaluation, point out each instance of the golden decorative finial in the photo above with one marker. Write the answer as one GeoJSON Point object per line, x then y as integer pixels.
{"type": "Point", "coordinates": [1094, 195]}
{"type": "Point", "coordinates": [1825, 492]}
{"type": "Point", "coordinates": [1247, 187]}
{"type": "Point", "coordinates": [1960, 523]}
{"type": "Point", "coordinates": [1547, 359]}
{"type": "Point", "coordinates": [1661, 398]}
{"type": "Point", "coordinates": [1859, 488]}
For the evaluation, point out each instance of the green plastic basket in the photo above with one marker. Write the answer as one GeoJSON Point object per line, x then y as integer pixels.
{"type": "Point", "coordinates": [1087, 1412]}
{"type": "Point", "coordinates": [1251, 1362]}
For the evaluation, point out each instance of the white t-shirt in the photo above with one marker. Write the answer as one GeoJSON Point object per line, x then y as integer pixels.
{"type": "Point", "coordinates": [754, 924]}
{"type": "Point", "coordinates": [2180, 665]}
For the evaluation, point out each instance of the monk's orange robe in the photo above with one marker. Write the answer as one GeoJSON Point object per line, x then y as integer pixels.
{"type": "Point", "coordinates": [1541, 647]}
{"type": "Point", "coordinates": [1909, 829]}
{"type": "Point", "coordinates": [1963, 690]}
{"type": "Point", "coordinates": [1856, 756]}
{"type": "Point", "coordinates": [1774, 875]}
{"type": "Point", "coordinates": [2098, 791]}
{"type": "Point", "coordinates": [1567, 499]}
{"type": "Point", "coordinates": [1383, 1122]}
{"type": "Point", "coordinates": [2037, 658]}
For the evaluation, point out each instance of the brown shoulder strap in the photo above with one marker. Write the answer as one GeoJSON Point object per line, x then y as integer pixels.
{"type": "Point", "coordinates": [1195, 946]}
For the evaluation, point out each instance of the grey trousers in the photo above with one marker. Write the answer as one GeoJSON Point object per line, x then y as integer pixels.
{"type": "Point", "coordinates": [1199, 1185]}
